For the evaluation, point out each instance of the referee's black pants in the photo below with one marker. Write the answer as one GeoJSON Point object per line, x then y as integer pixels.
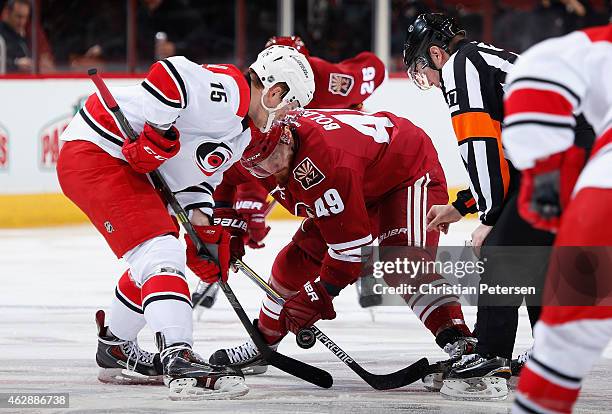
{"type": "Point", "coordinates": [521, 264]}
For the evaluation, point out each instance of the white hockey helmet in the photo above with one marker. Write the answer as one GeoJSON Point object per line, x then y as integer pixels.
{"type": "Point", "coordinates": [280, 63]}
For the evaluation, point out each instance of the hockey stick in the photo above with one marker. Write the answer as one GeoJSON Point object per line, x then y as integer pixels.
{"type": "Point", "coordinates": [291, 366]}
{"type": "Point", "coordinates": [396, 379]}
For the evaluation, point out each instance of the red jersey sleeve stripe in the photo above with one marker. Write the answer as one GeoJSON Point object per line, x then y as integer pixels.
{"type": "Point", "coordinates": [600, 34]}
{"type": "Point", "coordinates": [537, 101]}
{"type": "Point", "coordinates": [101, 119]}
{"type": "Point", "coordinates": [165, 83]}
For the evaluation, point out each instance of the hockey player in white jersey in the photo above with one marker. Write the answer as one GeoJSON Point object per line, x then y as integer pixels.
{"type": "Point", "coordinates": [552, 81]}
{"type": "Point", "coordinates": [193, 122]}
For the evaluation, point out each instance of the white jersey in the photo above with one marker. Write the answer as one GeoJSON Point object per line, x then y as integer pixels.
{"type": "Point", "coordinates": [207, 104]}
{"type": "Point", "coordinates": [550, 83]}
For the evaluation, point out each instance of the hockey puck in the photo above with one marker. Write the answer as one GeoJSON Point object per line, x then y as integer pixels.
{"type": "Point", "coordinates": [305, 338]}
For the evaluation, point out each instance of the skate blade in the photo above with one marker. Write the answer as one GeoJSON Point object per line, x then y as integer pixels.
{"type": "Point", "coordinates": [185, 389]}
{"type": "Point", "coordinates": [433, 382]}
{"type": "Point", "coordinates": [255, 370]}
{"type": "Point", "coordinates": [121, 376]}
{"type": "Point", "coordinates": [474, 389]}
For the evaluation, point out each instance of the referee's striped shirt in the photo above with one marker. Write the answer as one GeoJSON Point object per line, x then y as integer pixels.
{"type": "Point", "coordinates": [473, 83]}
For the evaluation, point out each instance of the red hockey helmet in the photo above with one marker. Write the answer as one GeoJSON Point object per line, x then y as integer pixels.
{"type": "Point", "coordinates": [264, 156]}
{"type": "Point", "coordinates": [295, 42]}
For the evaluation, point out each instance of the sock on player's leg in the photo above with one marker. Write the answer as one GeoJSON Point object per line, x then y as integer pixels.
{"type": "Point", "coordinates": [126, 317]}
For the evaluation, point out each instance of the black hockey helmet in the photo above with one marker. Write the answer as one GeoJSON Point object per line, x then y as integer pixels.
{"type": "Point", "coordinates": [429, 29]}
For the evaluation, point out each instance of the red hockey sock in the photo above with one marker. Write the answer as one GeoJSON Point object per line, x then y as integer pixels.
{"type": "Point", "coordinates": [128, 293]}
{"type": "Point", "coordinates": [542, 395]}
{"type": "Point", "coordinates": [269, 324]}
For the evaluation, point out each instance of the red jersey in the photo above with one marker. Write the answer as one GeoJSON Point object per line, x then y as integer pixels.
{"type": "Point", "coordinates": [346, 84]}
{"type": "Point", "coordinates": [347, 162]}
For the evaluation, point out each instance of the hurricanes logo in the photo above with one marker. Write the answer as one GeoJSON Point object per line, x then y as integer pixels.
{"type": "Point", "coordinates": [210, 156]}
{"type": "Point", "coordinates": [340, 84]}
{"type": "Point", "coordinates": [308, 174]}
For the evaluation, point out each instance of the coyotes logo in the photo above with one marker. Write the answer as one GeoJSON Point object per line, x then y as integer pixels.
{"type": "Point", "coordinates": [210, 156]}
{"type": "Point", "coordinates": [307, 174]}
{"type": "Point", "coordinates": [340, 84]}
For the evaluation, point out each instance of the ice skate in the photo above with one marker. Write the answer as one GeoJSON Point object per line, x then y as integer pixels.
{"type": "Point", "coordinates": [204, 297]}
{"type": "Point", "coordinates": [124, 362]}
{"type": "Point", "coordinates": [517, 364]}
{"type": "Point", "coordinates": [205, 294]}
{"type": "Point", "coordinates": [477, 378]}
{"type": "Point", "coordinates": [189, 377]}
{"type": "Point", "coordinates": [455, 350]}
{"type": "Point", "coordinates": [245, 357]}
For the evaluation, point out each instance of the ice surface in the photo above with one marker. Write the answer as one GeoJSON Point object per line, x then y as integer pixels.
{"type": "Point", "coordinates": [53, 280]}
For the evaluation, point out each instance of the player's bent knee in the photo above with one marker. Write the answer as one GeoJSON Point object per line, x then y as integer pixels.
{"type": "Point", "coordinates": [162, 252]}
{"type": "Point", "coordinates": [292, 268]}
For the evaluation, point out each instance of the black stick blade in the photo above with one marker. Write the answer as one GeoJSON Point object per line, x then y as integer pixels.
{"type": "Point", "coordinates": [399, 378]}
{"type": "Point", "coordinates": [308, 373]}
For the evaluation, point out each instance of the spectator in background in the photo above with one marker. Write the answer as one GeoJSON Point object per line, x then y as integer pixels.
{"type": "Point", "coordinates": [15, 17]}
{"type": "Point", "coordinates": [335, 29]}
{"type": "Point", "coordinates": [517, 29]}
{"type": "Point", "coordinates": [105, 48]}
{"type": "Point", "coordinates": [168, 28]}
{"type": "Point", "coordinates": [403, 13]}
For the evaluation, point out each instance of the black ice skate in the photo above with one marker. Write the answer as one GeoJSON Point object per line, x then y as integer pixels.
{"type": "Point", "coordinates": [477, 378]}
{"type": "Point", "coordinates": [462, 345]}
{"type": "Point", "coordinates": [189, 377]}
{"type": "Point", "coordinates": [124, 362]}
{"type": "Point", "coordinates": [204, 297]}
{"type": "Point", "coordinates": [365, 292]}
{"type": "Point", "coordinates": [517, 364]}
{"type": "Point", "coordinates": [205, 294]}
{"type": "Point", "coordinates": [245, 357]}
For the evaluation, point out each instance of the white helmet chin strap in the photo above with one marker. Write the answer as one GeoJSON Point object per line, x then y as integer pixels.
{"type": "Point", "coordinates": [271, 111]}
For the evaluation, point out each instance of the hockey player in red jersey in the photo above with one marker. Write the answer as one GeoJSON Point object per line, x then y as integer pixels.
{"type": "Point", "coordinates": [340, 168]}
{"type": "Point", "coordinates": [552, 81]}
{"type": "Point", "coordinates": [343, 85]}
{"type": "Point", "coordinates": [193, 125]}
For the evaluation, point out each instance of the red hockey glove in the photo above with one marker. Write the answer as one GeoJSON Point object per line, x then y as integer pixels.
{"type": "Point", "coordinates": [205, 269]}
{"type": "Point", "coordinates": [254, 212]}
{"type": "Point", "coordinates": [311, 304]}
{"type": "Point", "coordinates": [236, 226]}
{"type": "Point", "coordinates": [547, 187]}
{"type": "Point", "coordinates": [151, 149]}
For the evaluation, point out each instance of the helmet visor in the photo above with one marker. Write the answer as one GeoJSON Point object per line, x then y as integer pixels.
{"type": "Point", "coordinates": [276, 161]}
{"type": "Point", "coordinates": [416, 72]}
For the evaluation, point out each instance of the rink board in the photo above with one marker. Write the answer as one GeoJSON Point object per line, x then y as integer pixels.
{"type": "Point", "coordinates": [39, 109]}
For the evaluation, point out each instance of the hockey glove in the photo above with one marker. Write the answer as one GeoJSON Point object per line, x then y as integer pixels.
{"type": "Point", "coordinates": [253, 210]}
{"type": "Point", "coordinates": [205, 269]}
{"type": "Point", "coordinates": [547, 187]}
{"type": "Point", "coordinates": [236, 226]}
{"type": "Point", "coordinates": [151, 149]}
{"type": "Point", "coordinates": [311, 304]}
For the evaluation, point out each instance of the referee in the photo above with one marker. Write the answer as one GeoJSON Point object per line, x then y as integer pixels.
{"type": "Point", "coordinates": [472, 78]}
